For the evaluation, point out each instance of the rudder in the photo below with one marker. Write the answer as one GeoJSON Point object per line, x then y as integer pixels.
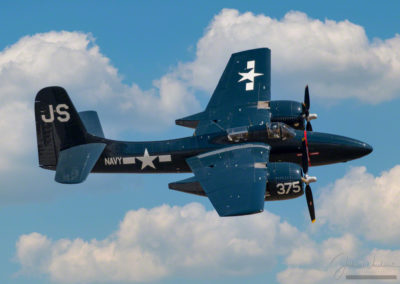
{"type": "Point", "coordinates": [58, 125]}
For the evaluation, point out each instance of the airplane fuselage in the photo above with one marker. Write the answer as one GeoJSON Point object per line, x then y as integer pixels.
{"type": "Point", "coordinates": [169, 156]}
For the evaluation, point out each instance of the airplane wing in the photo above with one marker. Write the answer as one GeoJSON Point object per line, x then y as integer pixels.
{"type": "Point", "coordinates": [234, 178]}
{"type": "Point", "coordinates": [242, 95]}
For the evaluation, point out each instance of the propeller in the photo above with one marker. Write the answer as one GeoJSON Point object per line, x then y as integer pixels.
{"type": "Point", "coordinates": [306, 110]}
{"type": "Point", "coordinates": [306, 178]}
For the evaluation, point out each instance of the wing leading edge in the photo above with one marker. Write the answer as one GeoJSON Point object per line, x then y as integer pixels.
{"type": "Point", "coordinates": [234, 178]}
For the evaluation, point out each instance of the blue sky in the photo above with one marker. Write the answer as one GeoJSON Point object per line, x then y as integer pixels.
{"type": "Point", "coordinates": [129, 61]}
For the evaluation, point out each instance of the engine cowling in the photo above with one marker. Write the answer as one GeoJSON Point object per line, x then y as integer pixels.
{"type": "Point", "coordinates": [284, 181]}
{"type": "Point", "coordinates": [288, 112]}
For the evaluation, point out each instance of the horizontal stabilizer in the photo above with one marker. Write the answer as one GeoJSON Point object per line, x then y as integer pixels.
{"type": "Point", "coordinates": [189, 185]}
{"type": "Point", "coordinates": [75, 164]}
{"type": "Point", "coordinates": [92, 123]}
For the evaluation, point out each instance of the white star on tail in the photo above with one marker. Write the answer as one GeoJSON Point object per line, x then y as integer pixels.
{"type": "Point", "coordinates": [249, 75]}
{"type": "Point", "coordinates": [147, 160]}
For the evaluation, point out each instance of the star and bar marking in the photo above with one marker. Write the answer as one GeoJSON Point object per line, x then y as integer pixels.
{"type": "Point", "coordinates": [147, 160]}
{"type": "Point", "coordinates": [250, 75]}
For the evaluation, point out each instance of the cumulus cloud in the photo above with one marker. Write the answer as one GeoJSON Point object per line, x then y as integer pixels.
{"type": "Point", "coordinates": [364, 208]}
{"type": "Point", "coordinates": [73, 60]}
{"type": "Point", "coordinates": [155, 243]}
{"type": "Point", "coordinates": [14, 125]}
{"type": "Point", "coordinates": [336, 58]}
{"type": "Point", "coordinates": [364, 204]}
{"type": "Point", "coordinates": [334, 259]}
{"type": "Point", "coordinates": [175, 240]}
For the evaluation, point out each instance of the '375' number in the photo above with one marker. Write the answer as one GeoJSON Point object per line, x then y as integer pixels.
{"type": "Point", "coordinates": [284, 188]}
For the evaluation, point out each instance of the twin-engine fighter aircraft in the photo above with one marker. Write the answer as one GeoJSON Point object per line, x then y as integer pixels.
{"type": "Point", "coordinates": [246, 149]}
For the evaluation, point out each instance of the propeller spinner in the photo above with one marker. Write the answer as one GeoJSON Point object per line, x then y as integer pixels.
{"type": "Point", "coordinates": [306, 178]}
{"type": "Point", "coordinates": [306, 110]}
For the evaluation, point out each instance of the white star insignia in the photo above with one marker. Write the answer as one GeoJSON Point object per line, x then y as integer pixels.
{"type": "Point", "coordinates": [251, 64]}
{"type": "Point", "coordinates": [147, 160]}
{"type": "Point", "coordinates": [249, 75]}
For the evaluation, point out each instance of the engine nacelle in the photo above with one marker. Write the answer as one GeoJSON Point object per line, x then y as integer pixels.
{"type": "Point", "coordinates": [284, 181]}
{"type": "Point", "coordinates": [289, 112]}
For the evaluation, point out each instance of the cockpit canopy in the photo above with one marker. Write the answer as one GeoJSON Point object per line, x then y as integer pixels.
{"type": "Point", "coordinates": [279, 130]}
{"type": "Point", "coordinates": [238, 134]}
{"type": "Point", "coordinates": [261, 133]}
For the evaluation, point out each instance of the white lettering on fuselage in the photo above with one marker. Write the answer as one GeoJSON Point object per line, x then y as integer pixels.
{"type": "Point", "coordinates": [113, 161]}
{"type": "Point", "coordinates": [146, 160]}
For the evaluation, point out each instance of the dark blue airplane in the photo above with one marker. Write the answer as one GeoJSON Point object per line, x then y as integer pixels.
{"type": "Point", "coordinates": [246, 149]}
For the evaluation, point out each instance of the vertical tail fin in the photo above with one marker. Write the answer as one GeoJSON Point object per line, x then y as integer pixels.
{"type": "Point", "coordinates": [58, 125]}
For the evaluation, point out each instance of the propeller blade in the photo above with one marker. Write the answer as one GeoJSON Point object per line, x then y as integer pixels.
{"type": "Point", "coordinates": [307, 99]}
{"type": "Point", "coordinates": [308, 126]}
{"type": "Point", "coordinates": [310, 203]}
{"type": "Point", "coordinates": [307, 179]}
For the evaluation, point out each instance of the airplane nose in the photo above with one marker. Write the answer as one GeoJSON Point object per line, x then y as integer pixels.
{"type": "Point", "coordinates": [367, 149]}
{"type": "Point", "coordinates": [335, 148]}
{"type": "Point", "coordinates": [357, 149]}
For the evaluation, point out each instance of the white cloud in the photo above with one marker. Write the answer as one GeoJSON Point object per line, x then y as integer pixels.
{"type": "Point", "coordinates": [359, 204]}
{"type": "Point", "coordinates": [74, 61]}
{"type": "Point", "coordinates": [152, 244]}
{"type": "Point", "coordinates": [384, 261]}
{"type": "Point", "coordinates": [175, 240]}
{"type": "Point", "coordinates": [335, 258]}
{"type": "Point", "coordinates": [189, 242]}
{"type": "Point", "coordinates": [364, 204]}
{"type": "Point", "coordinates": [300, 276]}
{"type": "Point", "coordinates": [15, 119]}
{"type": "Point", "coordinates": [312, 253]}
{"type": "Point", "coordinates": [335, 58]}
